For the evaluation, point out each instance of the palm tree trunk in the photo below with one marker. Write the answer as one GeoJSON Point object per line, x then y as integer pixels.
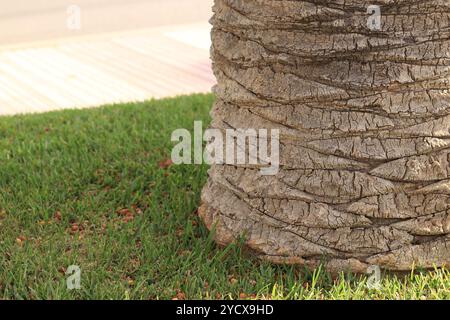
{"type": "Point", "coordinates": [364, 120]}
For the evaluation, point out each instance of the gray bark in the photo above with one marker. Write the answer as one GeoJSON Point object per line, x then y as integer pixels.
{"type": "Point", "coordinates": [364, 118]}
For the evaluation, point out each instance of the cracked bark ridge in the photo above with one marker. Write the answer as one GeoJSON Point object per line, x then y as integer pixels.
{"type": "Point", "coordinates": [364, 119]}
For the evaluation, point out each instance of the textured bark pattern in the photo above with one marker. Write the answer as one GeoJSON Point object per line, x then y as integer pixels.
{"type": "Point", "coordinates": [364, 118]}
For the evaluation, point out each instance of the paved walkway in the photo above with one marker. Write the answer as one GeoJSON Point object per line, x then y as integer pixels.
{"type": "Point", "coordinates": [94, 70]}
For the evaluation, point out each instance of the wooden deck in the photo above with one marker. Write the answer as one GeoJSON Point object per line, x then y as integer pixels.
{"type": "Point", "coordinates": [94, 70]}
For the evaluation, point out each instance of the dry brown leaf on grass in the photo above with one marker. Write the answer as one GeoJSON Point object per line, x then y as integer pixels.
{"type": "Point", "coordinates": [165, 163]}
{"type": "Point", "coordinates": [137, 209]}
{"type": "Point", "coordinates": [180, 295]}
{"type": "Point", "coordinates": [126, 214]}
{"type": "Point", "coordinates": [20, 240]}
{"type": "Point", "coordinates": [74, 227]}
{"type": "Point", "coordinates": [128, 219]}
{"type": "Point", "coordinates": [62, 270]}
{"type": "Point", "coordinates": [57, 216]}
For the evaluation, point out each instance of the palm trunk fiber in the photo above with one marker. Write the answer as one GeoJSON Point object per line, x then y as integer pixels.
{"type": "Point", "coordinates": [364, 120]}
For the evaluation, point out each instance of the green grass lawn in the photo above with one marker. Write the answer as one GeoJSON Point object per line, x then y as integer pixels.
{"type": "Point", "coordinates": [91, 188]}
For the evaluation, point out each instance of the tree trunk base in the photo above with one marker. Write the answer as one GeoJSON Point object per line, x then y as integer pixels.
{"type": "Point", "coordinates": [363, 116]}
{"type": "Point", "coordinates": [427, 255]}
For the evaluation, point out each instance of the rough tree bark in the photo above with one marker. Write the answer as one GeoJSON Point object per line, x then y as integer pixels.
{"type": "Point", "coordinates": [364, 118]}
